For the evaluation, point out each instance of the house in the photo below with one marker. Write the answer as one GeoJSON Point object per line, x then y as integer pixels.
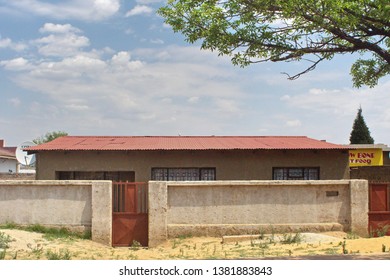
{"type": "Point", "coordinates": [190, 158]}
{"type": "Point", "coordinates": [8, 162]}
{"type": "Point", "coordinates": [369, 155]}
{"type": "Point", "coordinates": [370, 161]}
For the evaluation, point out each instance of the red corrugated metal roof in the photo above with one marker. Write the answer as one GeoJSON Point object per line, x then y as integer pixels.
{"type": "Point", "coordinates": [134, 143]}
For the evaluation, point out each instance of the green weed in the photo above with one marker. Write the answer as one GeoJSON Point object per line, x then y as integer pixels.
{"type": "Point", "coordinates": [2, 253]}
{"type": "Point", "coordinates": [62, 254]}
{"type": "Point", "coordinates": [352, 235]}
{"type": "Point", "coordinates": [49, 233]}
{"type": "Point", "coordinates": [380, 231]}
{"type": "Point", "coordinates": [4, 240]}
{"type": "Point", "coordinates": [37, 250]}
{"type": "Point", "coordinates": [272, 238]}
{"type": "Point", "coordinates": [184, 236]}
{"type": "Point", "coordinates": [344, 246]}
{"type": "Point", "coordinates": [291, 238]}
{"type": "Point", "coordinates": [175, 244]}
{"type": "Point", "coordinates": [8, 225]}
{"type": "Point", "coordinates": [135, 245]}
{"type": "Point", "coordinates": [263, 245]}
{"type": "Point", "coordinates": [262, 234]}
{"type": "Point", "coordinates": [331, 251]}
{"type": "Point", "coordinates": [132, 257]}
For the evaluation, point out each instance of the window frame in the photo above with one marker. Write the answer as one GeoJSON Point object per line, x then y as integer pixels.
{"type": "Point", "coordinates": [115, 176]}
{"type": "Point", "coordinates": [304, 170]}
{"type": "Point", "coordinates": [167, 171]}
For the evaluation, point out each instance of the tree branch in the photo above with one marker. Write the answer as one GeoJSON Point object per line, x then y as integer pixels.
{"type": "Point", "coordinates": [311, 68]}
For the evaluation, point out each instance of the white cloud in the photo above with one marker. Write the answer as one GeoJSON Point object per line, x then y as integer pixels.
{"type": "Point", "coordinates": [58, 28]}
{"type": "Point", "coordinates": [137, 89]}
{"type": "Point", "coordinates": [157, 41]}
{"type": "Point", "coordinates": [293, 123]}
{"type": "Point", "coordinates": [139, 10]}
{"type": "Point", "coordinates": [71, 9]}
{"type": "Point", "coordinates": [123, 62]}
{"type": "Point", "coordinates": [105, 8]}
{"type": "Point", "coordinates": [227, 105]}
{"type": "Point", "coordinates": [149, 1]}
{"type": "Point", "coordinates": [82, 64]}
{"type": "Point", "coordinates": [77, 107]}
{"type": "Point", "coordinates": [62, 41]}
{"type": "Point", "coordinates": [17, 64]}
{"type": "Point", "coordinates": [339, 102]}
{"type": "Point", "coordinates": [285, 97]}
{"type": "Point", "coordinates": [15, 102]}
{"type": "Point", "coordinates": [193, 99]}
{"type": "Point", "coordinates": [7, 43]}
{"type": "Point", "coordinates": [61, 46]}
{"type": "Point", "coordinates": [335, 109]}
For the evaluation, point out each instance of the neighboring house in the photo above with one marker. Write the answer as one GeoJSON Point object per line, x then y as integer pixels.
{"type": "Point", "coordinates": [8, 162]}
{"type": "Point", "coordinates": [189, 158]}
{"type": "Point", "coordinates": [371, 162]}
{"type": "Point", "coordinates": [369, 155]}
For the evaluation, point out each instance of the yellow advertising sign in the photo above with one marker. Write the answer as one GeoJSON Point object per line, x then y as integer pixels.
{"type": "Point", "coordinates": [365, 157]}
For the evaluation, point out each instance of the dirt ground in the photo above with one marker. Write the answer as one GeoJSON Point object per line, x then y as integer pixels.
{"type": "Point", "coordinates": [29, 245]}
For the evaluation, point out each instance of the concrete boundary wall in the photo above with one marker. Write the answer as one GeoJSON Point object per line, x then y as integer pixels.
{"type": "Point", "coordinates": [248, 207]}
{"type": "Point", "coordinates": [77, 205]}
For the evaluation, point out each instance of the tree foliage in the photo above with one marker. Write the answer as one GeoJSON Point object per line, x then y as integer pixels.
{"type": "Point", "coordinates": [50, 136]}
{"type": "Point", "coordinates": [252, 31]}
{"type": "Point", "coordinates": [360, 133]}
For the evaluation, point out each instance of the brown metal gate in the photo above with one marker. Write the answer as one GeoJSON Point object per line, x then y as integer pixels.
{"type": "Point", "coordinates": [130, 214]}
{"type": "Point", "coordinates": [379, 209]}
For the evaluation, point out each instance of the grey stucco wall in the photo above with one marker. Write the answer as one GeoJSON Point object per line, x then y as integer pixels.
{"type": "Point", "coordinates": [77, 205]}
{"type": "Point", "coordinates": [102, 212]}
{"type": "Point", "coordinates": [242, 207]}
{"type": "Point", "coordinates": [371, 173]}
{"type": "Point", "coordinates": [230, 165]}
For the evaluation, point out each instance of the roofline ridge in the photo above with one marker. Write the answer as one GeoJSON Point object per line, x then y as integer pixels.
{"type": "Point", "coordinates": [186, 136]}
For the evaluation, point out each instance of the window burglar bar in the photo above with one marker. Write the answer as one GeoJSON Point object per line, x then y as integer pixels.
{"type": "Point", "coordinates": [183, 174]}
{"type": "Point", "coordinates": [296, 173]}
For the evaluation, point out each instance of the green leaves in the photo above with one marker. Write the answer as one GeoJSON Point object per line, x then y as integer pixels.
{"type": "Point", "coordinates": [369, 71]}
{"type": "Point", "coordinates": [253, 31]}
{"type": "Point", "coordinates": [50, 136]}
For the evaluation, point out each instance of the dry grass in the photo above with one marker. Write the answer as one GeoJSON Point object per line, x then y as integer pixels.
{"type": "Point", "coordinates": [31, 245]}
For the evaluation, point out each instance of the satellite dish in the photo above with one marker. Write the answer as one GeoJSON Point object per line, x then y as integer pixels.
{"type": "Point", "coordinates": [22, 156]}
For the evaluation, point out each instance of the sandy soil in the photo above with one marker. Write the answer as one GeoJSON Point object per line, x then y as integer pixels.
{"type": "Point", "coordinates": [30, 245]}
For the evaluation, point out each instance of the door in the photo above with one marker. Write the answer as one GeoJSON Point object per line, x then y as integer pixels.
{"type": "Point", "coordinates": [130, 214]}
{"type": "Point", "coordinates": [379, 209]}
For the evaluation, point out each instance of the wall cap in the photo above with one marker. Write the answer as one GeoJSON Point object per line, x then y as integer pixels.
{"type": "Point", "coordinates": [50, 182]}
{"type": "Point", "coordinates": [259, 182]}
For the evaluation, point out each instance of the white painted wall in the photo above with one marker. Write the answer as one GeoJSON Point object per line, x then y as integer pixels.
{"type": "Point", "coordinates": [8, 165]}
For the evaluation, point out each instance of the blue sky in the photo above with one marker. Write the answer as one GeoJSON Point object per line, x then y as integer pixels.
{"type": "Point", "coordinates": [112, 67]}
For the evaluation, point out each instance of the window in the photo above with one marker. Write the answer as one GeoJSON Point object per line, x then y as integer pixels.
{"type": "Point", "coordinates": [117, 176]}
{"type": "Point", "coordinates": [296, 173]}
{"type": "Point", "coordinates": [183, 174]}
